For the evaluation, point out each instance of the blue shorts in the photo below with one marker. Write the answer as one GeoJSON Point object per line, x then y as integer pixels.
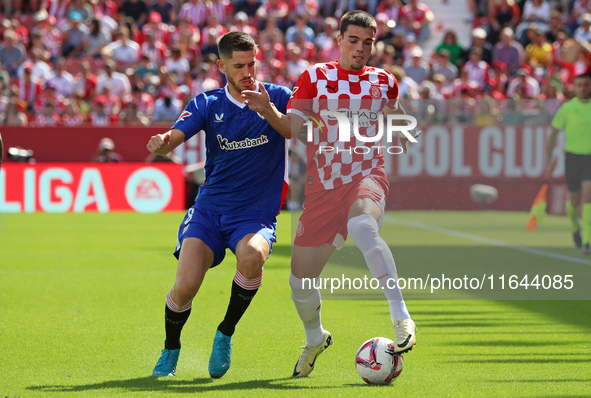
{"type": "Point", "coordinates": [223, 230]}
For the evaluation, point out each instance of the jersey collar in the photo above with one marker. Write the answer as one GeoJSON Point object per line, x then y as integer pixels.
{"type": "Point", "coordinates": [233, 100]}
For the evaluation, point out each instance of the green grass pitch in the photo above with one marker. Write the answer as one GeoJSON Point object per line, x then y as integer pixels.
{"type": "Point", "coordinates": [82, 303]}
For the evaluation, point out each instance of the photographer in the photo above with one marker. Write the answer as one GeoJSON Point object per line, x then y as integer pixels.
{"type": "Point", "coordinates": [105, 152]}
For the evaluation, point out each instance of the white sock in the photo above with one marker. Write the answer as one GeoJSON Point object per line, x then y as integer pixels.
{"type": "Point", "coordinates": [365, 233]}
{"type": "Point", "coordinates": [307, 301]}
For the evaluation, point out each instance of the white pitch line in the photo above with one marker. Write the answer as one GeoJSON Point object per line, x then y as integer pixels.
{"type": "Point", "coordinates": [487, 241]}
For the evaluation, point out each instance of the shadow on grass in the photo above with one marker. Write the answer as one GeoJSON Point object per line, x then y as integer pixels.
{"type": "Point", "coordinates": [197, 385]}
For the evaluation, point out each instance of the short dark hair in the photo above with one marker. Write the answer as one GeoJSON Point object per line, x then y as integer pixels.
{"type": "Point", "coordinates": [583, 76]}
{"type": "Point", "coordinates": [235, 41]}
{"type": "Point", "coordinates": [358, 18]}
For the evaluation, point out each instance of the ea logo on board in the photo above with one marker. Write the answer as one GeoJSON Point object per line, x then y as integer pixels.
{"type": "Point", "coordinates": [148, 190]}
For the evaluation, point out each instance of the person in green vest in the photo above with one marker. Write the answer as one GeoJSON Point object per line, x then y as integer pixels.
{"type": "Point", "coordinates": [574, 117]}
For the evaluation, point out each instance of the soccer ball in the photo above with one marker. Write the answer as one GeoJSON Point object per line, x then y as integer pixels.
{"type": "Point", "coordinates": [376, 362]}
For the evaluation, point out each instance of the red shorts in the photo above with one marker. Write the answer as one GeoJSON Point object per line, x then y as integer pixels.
{"type": "Point", "coordinates": [325, 215]}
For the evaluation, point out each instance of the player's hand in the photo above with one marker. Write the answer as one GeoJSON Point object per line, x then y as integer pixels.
{"type": "Point", "coordinates": [158, 141]}
{"type": "Point", "coordinates": [404, 140]}
{"type": "Point", "coordinates": [258, 101]}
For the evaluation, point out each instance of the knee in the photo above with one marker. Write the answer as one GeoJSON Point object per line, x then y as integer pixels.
{"type": "Point", "coordinates": [362, 229]}
{"type": "Point", "coordinates": [301, 288]}
{"type": "Point", "coordinates": [250, 261]}
{"type": "Point", "coordinates": [184, 291]}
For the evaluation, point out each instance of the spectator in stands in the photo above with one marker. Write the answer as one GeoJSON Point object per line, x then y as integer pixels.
{"type": "Point", "coordinates": [416, 18]}
{"type": "Point", "coordinates": [508, 51]}
{"type": "Point", "coordinates": [220, 10]}
{"type": "Point", "coordinates": [74, 41]}
{"type": "Point", "coordinates": [154, 50]}
{"type": "Point", "coordinates": [48, 118]}
{"type": "Point", "coordinates": [539, 53]}
{"type": "Point", "coordinates": [479, 41]}
{"type": "Point", "coordinates": [105, 8]}
{"type": "Point", "coordinates": [125, 50]}
{"type": "Point", "coordinates": [296, 64]}
{"type": "Point", "coordinates": [136, 9]}
{"type": "Point", "coordinates": [146, 67]}
{"type": "Point", "coordinates": [391, 8]}
{"type": "Point", "coordinates": [178, 64]}
{"type": "Point", "coordinates": [441, 86]}
{"type": "Point", "coordinates": [166, 110]}
{"type": "Point", "coordinates": [503, 14]}
{"type": "Point", "coordinates": [487, 114]}
{"type": "Point", "coordinates": [416, 68]}
{"type": "Point", "coordinates": [49, 94]}
{"type": "Point", "coordinates": [300, 28]}
{"type": "Point", "coordinates": [40, 69]}
{"type": "Point", "coordinates": [195, 10]}
{"type": "Point", "coordinates": [276, 10]}
{"type": "Point", "coordinates": [442, 65]}
{"type": "Point", "coordinates": [131, 116]}
{"type": "Point", "coordinates": [250, 7]}
{"type": "Point", "coordinates": [451, 44]}
{"type": "Point", "coordinates": [407, 87]}
{"type": "Point", "coordinates": [61, 79]}
{"type": "Point", "coordinates": [524, 85]}
{"type": "Point", "coordinates": [86, 82]}
{"type": "Point", "coordinates": [385, 25]}
{"type": "Point", "coordinates": [72, 117]}
{"type": "Point", "coordinates": [155, 26]}
{"type": "Point", "coordinates": [98, 37]}
{"type": "Point", "coordinates": [47, 37]}
{"type": "Point", "coordinates": [81, 7]}
{"type": "Point", "coordinates": [498, 80]}
{"type": "Point", "coordinates": [117, 82]}
{"type": "Point", "coordinates": [14, 115]}
{"type": "Point", "coordinates": [241, 24]}
{"type": "Point", "coordinates": [100, 115]}
{"type": "Point", "coordinates": [326, 36]}
{"type": "Point", "coordinates": [166, 9]}
{"type": "Point", "coordinates": [583, 32]}
{"type": "Point", "coordinates": [534, 11]}
{"type": "Point", "coordinates": [12, 54]}
{"type": "Point", "coordinates": [106, 152]}
{"type": "Point", "coordinates": [512, 114]}
{"type": "Point", "coordinates": [557, 26]}
{"type": "Point", "coordinates": [210, 46]}
{"type": "Point", "coordinates": [29, 87]}
{"type": "Point", "coordinates": [477, 69]}
{"type": "Point", "coordinates": [202, 81]}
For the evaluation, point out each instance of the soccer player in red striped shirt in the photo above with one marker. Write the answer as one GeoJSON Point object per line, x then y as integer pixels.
{"type": "Point", "coordinates": [345, 189]}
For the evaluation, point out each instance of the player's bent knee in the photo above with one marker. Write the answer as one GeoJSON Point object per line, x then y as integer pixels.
{"type": "Point", "coordinates": [362, 229]}
{"type": "Point", "coordinates": [250, 262]}
{"type": "Point", "coordinates": [184, 291]}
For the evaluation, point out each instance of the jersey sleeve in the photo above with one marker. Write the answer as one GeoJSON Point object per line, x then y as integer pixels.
{"type": "Point", "coordinates": [281, 98]}
{"type": "Point", "coordinates": [559, 121]}
{"type": "Point", "coordinates": [303, 94]}
{"type": "Point", "coordinates": [393, 91]}
{"type": "Point", "coordinates": [192, 119]}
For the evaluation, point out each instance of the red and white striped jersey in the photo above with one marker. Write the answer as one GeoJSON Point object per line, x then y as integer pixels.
{"type": "Point", "coordinates": [197, 13]}
{"type": "Point", "coordinates": [72, 120]}
{"type": "Point", "coordinates": [365, 94]}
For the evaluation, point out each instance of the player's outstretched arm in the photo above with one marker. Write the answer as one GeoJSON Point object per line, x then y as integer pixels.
{"type": "Point", "coordinates": [162, 144]}
{"type": "Point", "coordinates": [260, 102]}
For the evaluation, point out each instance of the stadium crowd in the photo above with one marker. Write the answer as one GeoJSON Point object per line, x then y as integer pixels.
{"type": "Point", "coordinates": [123, 62]}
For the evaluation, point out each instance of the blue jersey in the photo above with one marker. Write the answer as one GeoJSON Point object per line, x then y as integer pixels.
{"type": "Point", "coordinates": [245, 166]}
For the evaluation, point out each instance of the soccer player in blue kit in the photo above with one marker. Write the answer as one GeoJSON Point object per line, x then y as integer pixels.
{"type": "Point", "coordinates": [236, 207]}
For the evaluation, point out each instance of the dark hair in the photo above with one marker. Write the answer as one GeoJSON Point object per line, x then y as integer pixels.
{"type": "Point", "coordinates": [235, 41]}
{"type": "Point", "coordinates": [358, 18]}
{"type": "Point", "coordinates": [583, 76]}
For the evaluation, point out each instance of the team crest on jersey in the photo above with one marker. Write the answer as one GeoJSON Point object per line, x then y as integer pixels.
{"type": "Point", "coordinates": [300, 230]}
{"type": "Point", "coordinates": [183, 115]}
{"type": "Point", "coordinates": [375, 92]}
{"type": "Point", "coordinates": [219, 118]}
